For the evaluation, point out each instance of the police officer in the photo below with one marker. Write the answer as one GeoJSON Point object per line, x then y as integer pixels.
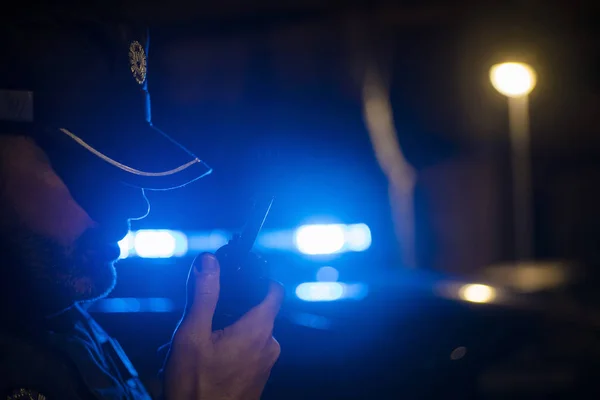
{"type": "Point", "coordinates": [77, 150]}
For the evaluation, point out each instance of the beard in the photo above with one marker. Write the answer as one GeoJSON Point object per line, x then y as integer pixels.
{"type": "Point", "coordinates": [51, 277]}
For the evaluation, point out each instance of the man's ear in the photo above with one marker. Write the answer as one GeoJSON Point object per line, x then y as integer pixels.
{"type": "Point", "coordinates": [19, 149]}
{"type": "Point", "coordinates": [35, 194]}
{"type": "Point", "coordinates": [21, 156]}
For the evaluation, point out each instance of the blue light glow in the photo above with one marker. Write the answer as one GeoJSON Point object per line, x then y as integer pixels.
{"type": "Point", "coordinates": [160, 243]}
{"type": "Point", "coordinates": [320, 239]}
{"type": "Point", "coordinates": [327, 274]}
{"type": "Point", "coordinates": [331, 291]}
{"type": "Point", "coordinates": [207, 241]}
{"type": "Point", "coordinates": [332, 238]}
{"type": "Point", "coordinates": [307, 239]}
{"type": "Point", "coordinates": [133, 305]}
{"type": "Point", "coordinates": [358, 237]}
{"type": "Point", "coordinates": [320, 291]}
{"type": "Point", "coordinates": [126, 245]}
{"type": "Point", "coordinates": [310, 320]}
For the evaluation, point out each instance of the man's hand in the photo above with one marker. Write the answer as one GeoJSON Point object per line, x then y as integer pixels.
{"type": "Point", "coordinates": [230, 364]}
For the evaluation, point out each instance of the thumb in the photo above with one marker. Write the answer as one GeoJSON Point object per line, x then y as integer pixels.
{"type": "Point", "coordinates": [203, 293]}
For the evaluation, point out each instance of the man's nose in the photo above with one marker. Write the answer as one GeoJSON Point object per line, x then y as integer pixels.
{"type": "Point", "coordinates": [131, 203]}
{"type": "Point", "coordinates": [144, 209]}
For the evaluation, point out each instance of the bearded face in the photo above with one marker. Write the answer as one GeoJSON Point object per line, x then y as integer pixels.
{"type": "Point", "coordinates": [61, 275]}
{"type": "Point", "coordinates": [52, 248]}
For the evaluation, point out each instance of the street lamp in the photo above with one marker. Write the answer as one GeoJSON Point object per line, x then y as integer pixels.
{"type": "Point", "coordinates": [515, 81]}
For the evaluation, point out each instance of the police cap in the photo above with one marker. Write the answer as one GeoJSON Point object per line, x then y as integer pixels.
{"type": "Point", "coordinates": [79, 85]}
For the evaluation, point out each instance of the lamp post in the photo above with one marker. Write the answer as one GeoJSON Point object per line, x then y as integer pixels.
{"type": "Point", "coordinates": [515, 81]}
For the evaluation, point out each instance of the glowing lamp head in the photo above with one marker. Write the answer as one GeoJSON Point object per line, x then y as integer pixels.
{"type": "Point", "coordinates": [513, 79]}
{"type": "Point", "coordinates": [476, 293]}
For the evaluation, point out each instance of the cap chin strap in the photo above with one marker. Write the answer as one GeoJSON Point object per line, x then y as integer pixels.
{"type": "Point", "coordinates": [124, 167]}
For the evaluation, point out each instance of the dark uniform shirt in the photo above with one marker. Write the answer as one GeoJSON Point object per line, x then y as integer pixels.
{"type": "Point", "coordinates": [71, 357]}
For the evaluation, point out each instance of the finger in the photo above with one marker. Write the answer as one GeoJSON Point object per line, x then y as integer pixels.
{"type": "Point", "coordinates": [262, 317]}
{"type": "Point", "coordinates": [203, 287]}
{"type": "Point", "coordinates": [272, 303]}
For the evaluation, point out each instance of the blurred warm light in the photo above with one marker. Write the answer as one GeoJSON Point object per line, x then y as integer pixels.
{"type": "Point", "coordinates": [379, 117]}
{"type": "Point", "coordinates": [528, 277]}
{"type": "Point", "coordinates": [513, 79]}
{"type": "Point", "coordinates": [477, 293]}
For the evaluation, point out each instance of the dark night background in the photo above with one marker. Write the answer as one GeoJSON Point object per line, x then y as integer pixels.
{"type": "Point", "coordinates": [267, 93]}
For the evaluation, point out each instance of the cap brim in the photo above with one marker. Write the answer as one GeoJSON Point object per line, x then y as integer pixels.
{"type": "Point", "coordinates": [141, 156]}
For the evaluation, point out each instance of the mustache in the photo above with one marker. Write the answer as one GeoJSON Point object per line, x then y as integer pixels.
{"type": "Point", "coordinates": [58, 275]}
{"type": "Point", "coordinates": [42, 254]}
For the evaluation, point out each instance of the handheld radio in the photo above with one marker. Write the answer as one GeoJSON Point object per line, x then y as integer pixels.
{"type": "Point", "coordinates": [243, 273]}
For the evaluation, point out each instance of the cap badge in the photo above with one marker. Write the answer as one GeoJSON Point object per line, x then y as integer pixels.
{"type": "Point", "coordinates": [137, 61]}
{"type": "Point", "coordinates": [26, 394]}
